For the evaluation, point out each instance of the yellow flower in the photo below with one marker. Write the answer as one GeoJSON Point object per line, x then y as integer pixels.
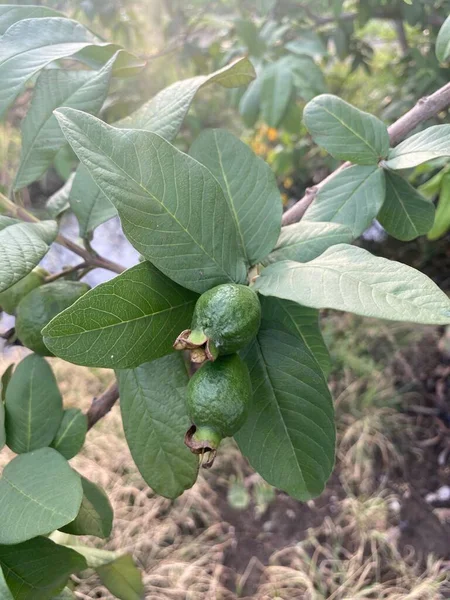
{"type": "Point", "coordinates": [285, 198]}
{"type": "Point", "coordinates": [272, 134]}
{"type": "Point", "coordinates": [288, 182]}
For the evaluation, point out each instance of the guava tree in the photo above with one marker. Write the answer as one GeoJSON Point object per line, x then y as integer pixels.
{"type": "Point", "coordinates": [215, 332]}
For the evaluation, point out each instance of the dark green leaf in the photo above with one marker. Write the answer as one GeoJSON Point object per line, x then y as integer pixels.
{"type": "Point", "coordinates": [39, 492]}
{"type": "Point", "coordinates": [152, 401]}
{"type": "Point", "coordinates": [249, 186]}
{"type": "Point", "coordinates": [426, 145]}
{"type": "Point", "coordinates": [96, 514]}
{"type": "Point", "coordinates": [276, 88]}
{"type": "Point", "coordinates": [22, 245]}
{"type": "Point", "coordinates": [172, 209]}
{"type": "Point", "coordinates": [2, 425]}
{"type": "Point", "coordinates": [405, 214]}
{"type": "Point", "coordinates": [289, 436]}
{"type": "Point", "coordinates": [4, 381]}
{"type": "Point", "coordinates": [346, 132]}
{"type": "Point", "coordinates": [38, 569]}
{"type": "Point", "coordinates": [10, 14]}
{"type": "Point", "coordinates": [124, 322]}
{"type": "Point", "coordinates": [351, 279]}
{"type": "Point", "coordinates": [5, 592]}
{"type": "Point", "coordinates": [33, 406]}
{"type": "Point", "coordinates": [352, 198]}
{"type": "Point", "coordinates": [307, 77]}
{"type": "Point", "coordinates": [69, 438]}
{"type": "Point", "coordinates": [250, 103]}
{"type": "Point", "coordinates": [122, 578]}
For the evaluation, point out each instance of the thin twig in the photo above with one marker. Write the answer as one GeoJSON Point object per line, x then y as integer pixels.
{"type": "Point", "coordinates": [425, 109]}
{"type": "Point", "coordinates": [102, 405]}
{"type": "Point", "coordinates": [65, 272]}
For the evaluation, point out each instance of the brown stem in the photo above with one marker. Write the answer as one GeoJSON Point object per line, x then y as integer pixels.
{"type": "Point", "coordinates": [425, 108]}
{"type": "Point", "coordinates": [66, 271]}
{"type": "Point", "coordinates": [102, 405]}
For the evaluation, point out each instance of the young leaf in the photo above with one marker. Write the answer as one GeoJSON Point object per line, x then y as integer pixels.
{"type": "Point", "coordinates": [41, 135]}
{"type": "Point", "coordinates": [346, 132]}
{"type": "Point", "coordinates": [289, 436]}
{"type": "Point", "coordinates": [38, 569]}
{"type": "Point", "coordinates": [172, 209]}
{"type": "Point", "coordinates": [249, 186]}
{"type": "Point", "coordinates": [122, 578]}
{"type": "Point", "coordinates": [132, 319]}
{"type": "Point", "coordinates": [33, 406]}
{"type": "Point", "coordinates": [306, 240]}
{"type": "Point", "coordinates": [152, 401]}
{"type": "Point", "coordinates": [22, 245]}
{"type": "Point", "coordinates": [433, 142]}
{"type": "Point", "coordinates": [96, 514]}
{"type": "Point", "coordinates": [69, 438]}
{"type": "Point", "coordinates": [443, 42]}
{"type": "Point", "coordinates": [442, 217]}
{"type": "Point", "coordinates": [10, 14]}
{"type": "Point", "coordinates": [353, 198]}
{"type": "Point", "coordinates": [275, 92]}
{"type": "Point", "coordinates": [405, 214]}
{"type": "Point", "coordinates": [39, 492]}
{"type": "Point", "coordinates": [351, 279]}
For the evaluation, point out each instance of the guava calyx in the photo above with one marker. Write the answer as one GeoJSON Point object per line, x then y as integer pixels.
{"type": "Point", "coordinates": [201, 347]}
{"type": "Point", "coordinates": [202, 440]}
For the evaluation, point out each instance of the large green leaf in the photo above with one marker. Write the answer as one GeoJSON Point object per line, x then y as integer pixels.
{"type": "Point", "coordinates": [152, 401]}
{"type": "Point", "coordinates": [433, 142]}
{"type": "Point", "coordinates": [307, 77]}
{"type": "Point", "coordinates": [172, 209]}
{"type": "Point", "coordinates": [276, 88]}
{"type": "Point", "coordinates": [11, 13]}
{"type": "Point", "coordinates": [132, 319]}
{"type": "Point", "coordinates": [41, 134]}
{"type": "Point", "coordinates": [346, 132]}
{"type": "Point", "coordinates": [249, 186]}
{"type": "Point", "coordinates": [405, 214]}
{"type": "Point", "coordinates": [306, 240]}
{"type": "Point", "coordinates": [353, 198]}
{"type": "Point", "coordinates": [307, 43]}
{"type": "Point", "coordinates": [88, 202]}
{"type": "Point", "coordinates": [351, 279]}
{"type": "Point", "coordinates": [443, 42]}
{"type": "Point", "coordinates": [289, 436]}
{"type": "Point", "coordinates": [96, 514]}
{"type": "Point", "coordinates": [249, 34]}
{"type": "Point", "coordinates": [33, 406]}
{"type": "Point", "coordinates": [442, 218]}
{"type": "Point", "coordinates": [31, 44]}
{"type": "Point", "coordinates": [38, 569]}
{"type": "Point", "coordinates": [69, 438]}
{"type": "Point", "coordinates": [22, 245]}
{"type": "Point", "coordinates": [122, 578]}
{"type": "Point", "coordinates": [39, 492]}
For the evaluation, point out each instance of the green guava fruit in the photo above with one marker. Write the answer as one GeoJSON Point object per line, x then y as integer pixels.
{"type": "Point", "coordinates": [10, 298]}
{"type": "Point", "coordinates": [218, 399]}
{"type": "Point", "coordinates": [40, 306]}
{"type": "Point", "coordinates": [226, 318]}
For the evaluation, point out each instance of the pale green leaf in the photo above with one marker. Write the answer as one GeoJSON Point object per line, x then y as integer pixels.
{"type": "Point", "coordinates": [289, 436]}
{"type": "Point", "coordinates": [250, 103]}
{"type": "Point", "coordinates": [22, 246]}
{"type": "Point", "coordinates": [306, 240]}
{"type": "Point", "coordinates": [89, 204]}
{"type": "Point", "coordinates": [41, 134]}
{"type": "Point", "coordinates": [69, 438]}
{"type": "Point", "coordinates": [346, 132]}
{"type": "Point", "coordinates": [59, 201]}
{"type": "Point", "coordinates": [249, 186]}
{"type": "Point", "coordinates": [39, 492]}
{"type": "Point", "coordinates": [308, 43]}
{"type": "Point", "coordinates": [351, 279]}
{"type": "Point", "coordinates": [152, 401]}
{"type": "Point", "coordinates": [122, 578]}
{"type": "Point", "coordinates": [66, 594]}
{"type": "Point", "coordinates": [38, 569]}
{"type": "Point", "coordinates": [352, 198]}
{"type": "Point", "coordinates": [172, 209]}
{"type": "Point", "coordinates": [2, 425]}
{"type": "Point", "coordinates": [5, 592]}
{"type": "Point", "coordinates": [443, 42]}
{"type": "Point", "coordinates": [433, 142]}
{"type": "Point", "coordinates": [11, 13]}
{"type": "Point", "coordinates": [95, 557]}
{"type": "Point", "coordinates": [95, 516]}
{"type": "Point", "coordinates": [249, 34]}
{"type": "Point", "coordinates": [442, 217]}
{"type": "Point", "coordinates": [33, 405]}
{"type": "Point", "coordinates": [307, 77]}
{"type": "Point", "coordinates": [124, 322]}
{"type": "Point", "coordinates": [405, 214]}
{"type": "Point", "coordinates": [276, 88]}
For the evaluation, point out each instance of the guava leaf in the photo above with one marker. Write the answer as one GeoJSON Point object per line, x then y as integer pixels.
{"type": "Point", "coordinates": [39, 492]}
{"type": "Point", "coordinates": [249, 186]}
{"type": "Point", "coordinates": [433, 142]}
{"type": "Point", "coordinates": [443, 42]}
{"type": "Point", "coordinates": [69, 438]}
{"type": "Point", "coordinates": [124, 322]}
{"type": "Point", "coordinates": [346, 132]}
{"type": "Point", "coordinates": [152, 401]}
{"type": "Point", "coordinates": [276, 88]}
{"type": "Point", "coordinates": [351, 279]}
{"type": "Point", "coordinates": [289, 436]}
{"type": "Point", "coordinates": [11, 13]}
{"type": "Point", "coordinates": [172, 209]}
{"type": "Point", "coordinates": [122, 578]}
{"type": "Point", "coordinates": [442, 218]}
